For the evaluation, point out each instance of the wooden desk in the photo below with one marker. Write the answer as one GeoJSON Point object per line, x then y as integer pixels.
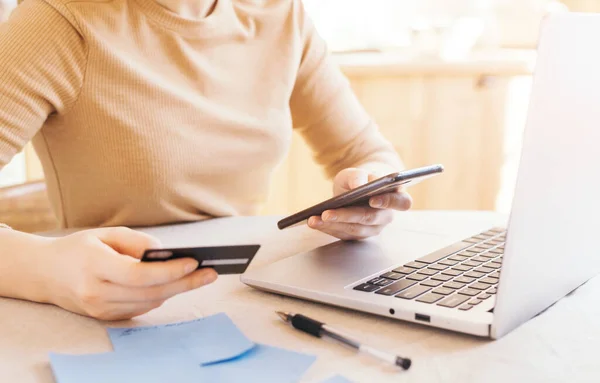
{"type": "Point", "coordinates": [557, 346]}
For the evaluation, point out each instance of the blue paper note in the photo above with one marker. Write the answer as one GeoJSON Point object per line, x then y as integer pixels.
{"type": "Point", "coordinates": [148, 366]}
{"type": "Point", "coordinates": [264, 364]}
{"type": "Point", "coordinates": [336, 379]}
{"type": "Point", "coordinates": [209, 340]}
{"type": "Point", "coordinates": [211, 349]}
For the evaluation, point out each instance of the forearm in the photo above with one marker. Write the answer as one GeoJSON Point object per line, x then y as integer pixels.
{"type": "Point", "coordinates": [368, 150]}
{"type": "Point", "coordinates": [20, 270]}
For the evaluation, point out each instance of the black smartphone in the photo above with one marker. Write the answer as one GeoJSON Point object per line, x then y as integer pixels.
{"type": "Point", "coordinates": [362, 194]}
{"type": "Point", "coordinates": [223, 259]}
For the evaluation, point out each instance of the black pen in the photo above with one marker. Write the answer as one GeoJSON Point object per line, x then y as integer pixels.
{"type": "Point", "coordinates": [319, 329]}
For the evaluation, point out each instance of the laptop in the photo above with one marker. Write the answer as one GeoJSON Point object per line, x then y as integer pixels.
{"type": "Point", "coordinates": [492, 280]}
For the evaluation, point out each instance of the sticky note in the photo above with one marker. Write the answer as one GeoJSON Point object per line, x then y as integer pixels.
{"type": "Point", "coordinates": [265, 364]}
{"type": "Point", "coordinates": [210, 349]}
{"type": "Point", "coordinates": [148, 366]}
{"type": "Point", "coordinates": [209, 340]}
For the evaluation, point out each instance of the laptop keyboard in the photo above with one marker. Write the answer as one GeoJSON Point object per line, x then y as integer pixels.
{"type": "Point", "coordinates": [461, 275]}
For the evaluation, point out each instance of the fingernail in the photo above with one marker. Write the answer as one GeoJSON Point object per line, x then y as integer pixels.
{"type": "Point", "coordinates": [210, 278]}
{"type": "Point", "coordinates": [330, 216]}
{"type": "Point", "coordinates": [377, 202]}
{"type": "Point", "coordinates": [191, 266]}
{"type": "Point", "coordinates": [317, 221]}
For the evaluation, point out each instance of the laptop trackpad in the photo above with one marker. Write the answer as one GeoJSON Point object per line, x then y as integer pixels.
{"type": "Point", "coordinates": [341, 263]}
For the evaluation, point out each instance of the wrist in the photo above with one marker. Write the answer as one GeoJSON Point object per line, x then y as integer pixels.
{"type": "Point", "coordinates": [23, 271]}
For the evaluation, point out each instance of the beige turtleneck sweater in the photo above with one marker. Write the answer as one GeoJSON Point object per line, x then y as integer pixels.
{"type": "Point", "coordinates": [142, 117]}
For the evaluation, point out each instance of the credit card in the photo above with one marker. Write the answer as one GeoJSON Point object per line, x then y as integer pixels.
{"type": "Point", "coordinates": [223, 259]}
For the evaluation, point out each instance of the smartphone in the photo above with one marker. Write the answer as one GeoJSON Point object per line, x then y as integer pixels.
{"type": "Point", "coordinates": [361, 195]}
{"type": "Point", "coordinates": [223, 259]}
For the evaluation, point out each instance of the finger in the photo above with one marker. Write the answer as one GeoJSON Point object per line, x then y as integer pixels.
{"type": "Point", "coordinates": [362, 215]}
{"type": "Point", "coordinates": [126, 241]}
{"type": "Point", "coordinates": [190, 282]}
{"type": "Point", "coordinates": [348, 179]}
{"type": "Point", "coordinates": [357, 178]}
{"type": "Point", "coordinates": [129, 272]}
{"type": "Point", "coordinates": [396, 201]}
{"type": "Point", "coordinates": [345, 230]}
{"type": "Point", "coordinates": [317, 224]}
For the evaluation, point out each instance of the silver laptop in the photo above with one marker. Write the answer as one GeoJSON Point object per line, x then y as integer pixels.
{"type": "Point", "coordinates": [493, 280]}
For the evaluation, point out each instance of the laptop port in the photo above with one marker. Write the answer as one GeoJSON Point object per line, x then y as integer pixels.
{"type": "Point", "coordinates": [423, 318]}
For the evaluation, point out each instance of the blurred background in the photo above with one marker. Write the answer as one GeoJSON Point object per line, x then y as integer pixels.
{"type": "Point", "coordinates": [447, 81]}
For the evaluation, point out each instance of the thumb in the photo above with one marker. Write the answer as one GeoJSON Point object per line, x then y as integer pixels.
{"type": "Point", "coordinates": [349, 179]}
{"type": "Point", "coordinates": [126, 241]}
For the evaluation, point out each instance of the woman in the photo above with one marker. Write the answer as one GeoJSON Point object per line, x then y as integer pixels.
{"type": "Point", "coordinates": [148, 112]}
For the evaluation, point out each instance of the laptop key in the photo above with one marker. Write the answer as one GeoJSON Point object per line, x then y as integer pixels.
{"type": "Point", "coordinates": [396, 287]}
{"type": "Point", "coordinates": [413, 292]}
{"type": "Point", "coordinates": [404, 270]}
{"type": "Point", "coordinates": [495, 274]}
{"type": "Point", "coordinates": [489, 280]}
{"type": "Point", "coordinates": [416, 265]}
{"type": "Point", "coordinates": [430, 298]}
{"type": "Point", "coordinates": [485, 245]}
{"type": "Point", "coordinates": [443, 291]}
{"type": "Point", "coordinates": [472, 240]}
{"type": "Point", "coordinates": [491, 291]}
{"type": "Point", "coordinates": [475, 301]}
{"type": "Point", "coordinates": [442, 277]}
{"type": "Point", "coordinates": [451, 272]}
{"type": "Point", "coordinates": [384, 282]}
{"type": "Point", "coordinates": [438, 267]}
{"type": "Point", "coordinates": [431, 283]}
{"type": "Point", "coordinates": [467, 254]}
{"type": "Point", "coordinates": [454, 300]}
{"type": "Point", "coordinates": [461, 268]}
{"type": "Point", "coordinates": [474, 274]}
{"type": "Point", "coordinates": [484, 269]}
{"type": "Point", "coordinates": [392, 275]}
{"type": "Point", "coordinates": [417, 277]}
{"type": "Point", "coordinates": [367, 287]}
{"type": "Point", "coordinates": [488, 255]}
{"type": "Point", "coordinates": [463, 279]}
{"type": "Point", "coordinates": [458, 258]}
{"type": "Point", "coordinates": [484, 296]}
{"type": "Point", "coordinates": [428, 271]}
{"type": "Point", "coordinates": [471, 264]}
{"type": "Point", "coordinates": [466, 307]}
{"type": "Point", "coordinates": [469, 292]}
{"type": "Point", "coordinates": [448, 262]}
{"type": "Point", "coordinates": [454, 285]}
{"type": "Point", "coordinates": [443, 253]}
{"type": "Point", "coordinates": [497, 251]}
{"type": "Point", "coordinates": [494, 265]}
{"type": "Point", "coordinates": [480, 258]}
{"type": "Point", "coordinates": [479, 286]}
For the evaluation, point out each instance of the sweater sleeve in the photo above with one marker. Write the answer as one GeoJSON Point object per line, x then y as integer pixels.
{"type": "Point", "coordinates": [42, 63]}
{"type": "Point", "coordinates": [328, 115]}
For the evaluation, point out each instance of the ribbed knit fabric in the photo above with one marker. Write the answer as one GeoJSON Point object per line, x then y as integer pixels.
{"type": "Point", "coordinates": [141, 117]}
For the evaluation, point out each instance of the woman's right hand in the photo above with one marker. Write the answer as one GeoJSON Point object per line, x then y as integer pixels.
{"type": "Point", "coordinates": [97, 273]}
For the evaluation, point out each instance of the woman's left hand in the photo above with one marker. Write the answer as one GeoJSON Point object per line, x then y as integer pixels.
{"type": "Point", "coordinates": [358, 222]}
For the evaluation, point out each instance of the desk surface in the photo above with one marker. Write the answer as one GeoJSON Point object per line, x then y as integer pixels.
{"type": "Point", "coordinates": [557, 346]}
